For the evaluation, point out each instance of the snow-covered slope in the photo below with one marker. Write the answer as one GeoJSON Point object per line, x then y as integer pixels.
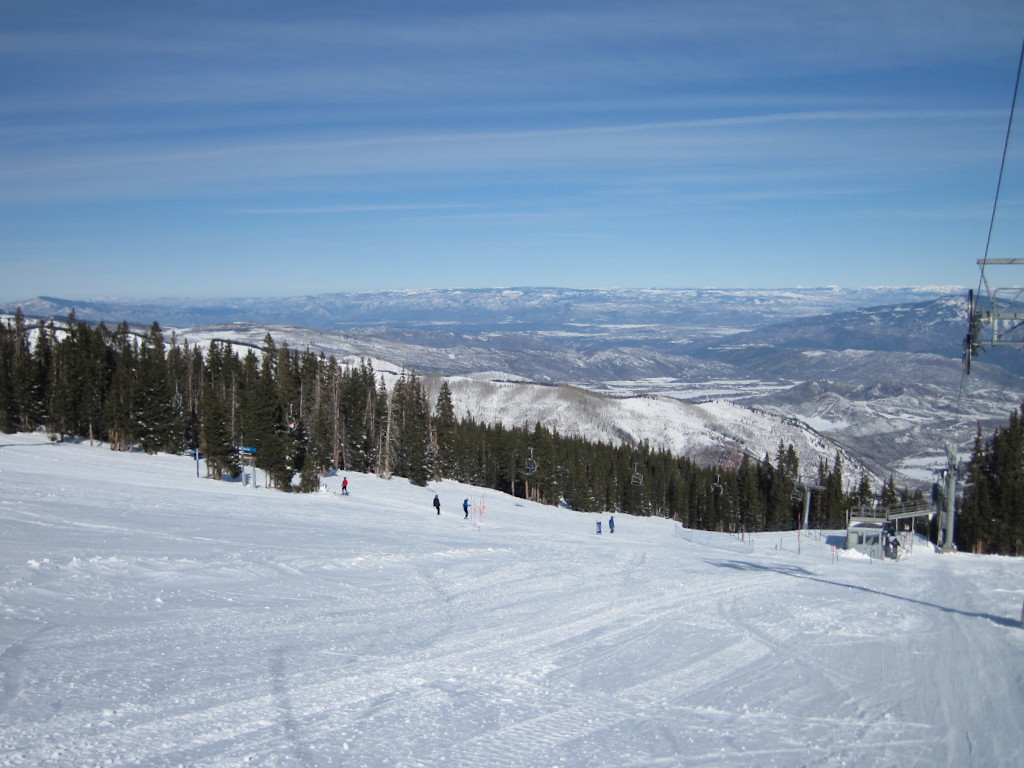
{"type": "Point", "coordinates": [149, 617]}
{"type": "Point", "coordinates": [713, 432]}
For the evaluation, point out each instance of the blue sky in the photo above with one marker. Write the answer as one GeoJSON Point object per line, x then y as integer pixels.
{"type": "Point", "coordinates": [153, 149]}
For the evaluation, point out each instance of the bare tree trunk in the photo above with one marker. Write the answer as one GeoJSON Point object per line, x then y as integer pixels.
{"type": "Point", "coordinates": [387, 438]}
{"type": "Point", "coordinates": [336, 416]}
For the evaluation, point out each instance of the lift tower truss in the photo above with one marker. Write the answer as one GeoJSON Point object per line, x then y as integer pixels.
{"type": "Point", "coordinates": [1001, 322]}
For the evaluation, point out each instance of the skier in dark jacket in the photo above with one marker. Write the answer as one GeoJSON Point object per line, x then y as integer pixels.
{"type": "Point", "coordinates": [465, 508]}
{"type": "Point", "coordinates": [611, 524]}
{"type": "Point", "coordinates": [437, 504]}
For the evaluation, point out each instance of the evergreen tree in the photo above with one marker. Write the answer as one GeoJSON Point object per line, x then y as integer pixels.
{"type": "Point", "coordinates": [42, 355]}
{"type": "Point", "coordinates": [834, 498]}
{"type": "Point", "coordinates": [444, 425]}
{"type": "Point", "coordinates": [973, 530]}
{"type": "Point", "coordinates": [273, 459]}
{"type": "Point", "coordinates": [751, 515]}
{"type": "Point", "coordinates": [8, 404]}
{"type": "Point", "coordinates": [890, 497]}
{"type": "Point", "coordinates": [783, 486]}
{"type": "Point", "coordinates": [94, 364]}
{"type": "Point", "coordinates": [318, 455]}
{"type": "Point", "coordinates": [864, 495]}
{"type": "Point", "coordinates": [154, 398]}
{"type": "Point", "coordinates": [118, 406]}
{"type": "Point", "coordinates": [219, 451]}
{"type": "Point", "coordinates": [25, 378]}
{"type": "Point", "coordinates": [61, 384]}
{"type": "Point", "coordinates": [992, 512]}
{"type": "Point", "coordinates": [409, 431]}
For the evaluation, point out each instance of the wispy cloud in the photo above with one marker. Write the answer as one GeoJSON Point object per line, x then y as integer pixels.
{"type": "Point", "coordinates": [318, 210]}
{"type": "Point", "coordinates": [849, 139]}
{"type": "Point", "coordinates": [463, 125]}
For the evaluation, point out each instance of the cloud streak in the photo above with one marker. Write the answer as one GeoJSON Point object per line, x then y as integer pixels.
{"type": "Point", "coordinates": [467, 126]}
{"type": "Point", "coordinates": [762, 145]}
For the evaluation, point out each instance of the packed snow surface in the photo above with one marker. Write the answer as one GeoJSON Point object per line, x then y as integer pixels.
{"type": "Point", "coordinates": [152, 618]}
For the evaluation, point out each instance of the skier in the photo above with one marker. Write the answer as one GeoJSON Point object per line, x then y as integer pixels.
{"type": "Point", "coordinates": [598, 527]}
{"type": "Point", "coordinates": [611, 524]}
{"type": "Point", "coordinates": [437, 504]}
{"type": "Point", "coordinates": [344, 487]}
{"type": "Point", "coordinates": [465, 508]}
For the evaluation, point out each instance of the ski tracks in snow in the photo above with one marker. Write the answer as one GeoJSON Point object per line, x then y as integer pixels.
{"type": "Point", "coordinates": [196, 624]}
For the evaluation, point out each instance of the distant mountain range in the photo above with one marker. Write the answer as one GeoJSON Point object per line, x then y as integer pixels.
{"type": "Point", "coordinates": [873, 373]}
{"type": "Point", "coordinates": [538, 308]}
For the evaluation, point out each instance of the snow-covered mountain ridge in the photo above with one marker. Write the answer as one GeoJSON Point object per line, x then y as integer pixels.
{"type": "Point", "coordinates": [536, 308]}
{"type": "Point", "coordinates": [826, 369]}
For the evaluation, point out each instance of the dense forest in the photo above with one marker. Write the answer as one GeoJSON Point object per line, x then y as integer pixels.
{"type": "Point", "coordinates": [299, 416]}
{"type": "Point", "coordinates": [991, 516]}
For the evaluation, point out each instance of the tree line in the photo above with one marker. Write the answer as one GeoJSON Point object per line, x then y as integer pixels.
{"type": "Point", "coordinates": [991, 515]}
{"type": "Point", "coordinates": [302, 415]}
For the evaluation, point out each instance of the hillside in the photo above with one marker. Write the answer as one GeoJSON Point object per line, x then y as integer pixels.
{"type": "Point", "coordinates": [149, 617]}
{"type": "Point", "coordinates": [711, 433]}
{"type": "Point", "coordinates": [826, 369]}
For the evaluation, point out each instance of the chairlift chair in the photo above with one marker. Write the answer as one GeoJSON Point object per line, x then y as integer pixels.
{"type": "Point", "coordinates": [531, 465]}
{"type": "Point", "coordinates": [638, 478]}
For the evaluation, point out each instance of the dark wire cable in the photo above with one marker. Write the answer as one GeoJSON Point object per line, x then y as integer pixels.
{"type": "Point", "coordinates": [1006, 150]}
{"type": "Point", "coordinates": [992, 219]}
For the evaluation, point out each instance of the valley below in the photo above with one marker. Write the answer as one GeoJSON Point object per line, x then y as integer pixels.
{"type": "Point", "coordinates": [834, 372]}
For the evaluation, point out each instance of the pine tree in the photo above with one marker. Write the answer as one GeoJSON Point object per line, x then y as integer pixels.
{"type": "Point", "coordinates": [318, 455]}
{"type": "Point", "coordinates": [94, 362]}
{"type": "Point", "coordinates": [410, 429]}
{"type": "Point", "coordinates": [7, 402]}
{"type": "Point", "coordinates": [273, 459]}
{"type": "Point", "coordinates": [973, 527]}
{"type": "Point", "coordinates": [118, 407]}
{"type": "Point", "coordinates": [444, 425]}
{"type": "Point", "coordinates": [25, 377]}
{"type": "Point", "coordinates": [154, 397]}
{"type": "Point", "coordinates": [219, 450]}
{"type": "Point", "coordinates": [832, 503]}
{"type": "Point", "coordinates": [864, 493]}
{"type": "Point", "coordinates": [750, 512]}
{"type": "Point", "coordinates": [890, 497]}
{"type": "Point", "coordinates": [783, 486]}
{"type": "Point", "coordinates": [61, 384]}
{"type": "Point", "coordinates": [42, 370]}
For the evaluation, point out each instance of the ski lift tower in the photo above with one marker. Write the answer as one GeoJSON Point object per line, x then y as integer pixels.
{"type": "Point", "coordinates": [947, 496]}
{"type": "Point", "coordinates": [808, 487]}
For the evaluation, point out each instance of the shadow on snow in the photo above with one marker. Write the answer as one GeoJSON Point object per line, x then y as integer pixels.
{"type": "Point", "coordinates": [802, 573]}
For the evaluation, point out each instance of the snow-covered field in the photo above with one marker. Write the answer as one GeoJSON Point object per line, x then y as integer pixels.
{"type": "Point", "coordinates": [151, 618]}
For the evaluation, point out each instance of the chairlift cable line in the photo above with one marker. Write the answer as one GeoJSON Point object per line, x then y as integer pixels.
{"type": "Point", "coordinates": [1002, 164]}
{"type": "Point", "coordinates": [982, 280]}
